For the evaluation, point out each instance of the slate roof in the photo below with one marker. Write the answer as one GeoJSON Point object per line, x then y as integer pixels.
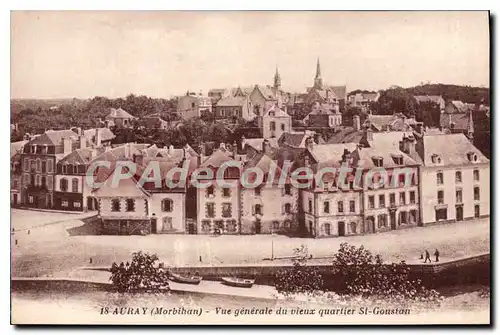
{"type": "Point", "coordinates": [460, 121]}
{"type": "Point", "coordinates": [256, 143]}
{"type": "Point", "coordinates": [330, 153]}
{"type": "Point", "coordinates": [106, 134]}
{"type": "Point", "coordinates": [217, 158]}
{"type": "Point", "coordinates": [346, 135]}
{"type": "Point", "coordinates": [429, 98]}
{"type": "Point", "coordinates": [231, 101]}
{"type": "Point", "coordinates": [462, 107]}
{"type": "Point", "coordinates": [79, 156]}
{"type": "Point", "coordinates": [119, 113]}
{"type": "Point", "coordinates": [266, 91]}
{"type": "Point", "coordinates": [295, 140]}
{"type": "Point", "coordinates": [363, 157]}
{"type": "Point", "coordinates": [53, 137]}
{"type": "Point", "coordinates": [451, 148]}
{"type": "Point", "coordinates": [340, 91]}
{"type": "Point", "coordinates": [277, 112]}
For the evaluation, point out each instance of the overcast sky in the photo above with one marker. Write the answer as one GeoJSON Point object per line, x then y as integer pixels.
{"type": "Point", "coordinates": [160, 54]}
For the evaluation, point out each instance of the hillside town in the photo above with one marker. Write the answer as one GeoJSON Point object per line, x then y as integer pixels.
{"type": "Point", "coordinates": [272, 130]}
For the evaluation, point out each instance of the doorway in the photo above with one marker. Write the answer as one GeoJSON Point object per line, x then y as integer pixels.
{"type": "Point", "coordinates": [258, 227]}
{"type": "Point", "coordinates": [460, 213]}
{"type": "Point", "coordinates": [15, 199]}
{"type": "Point", "coordinates": [154, 227]}
{"type": "Point", "coordinates": [341, 229]}
{"type": "Point", "coordinates": [393, 220]}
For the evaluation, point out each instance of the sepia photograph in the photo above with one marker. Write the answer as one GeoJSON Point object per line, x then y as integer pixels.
{"type": "Point", "coordinates": [250, 167]}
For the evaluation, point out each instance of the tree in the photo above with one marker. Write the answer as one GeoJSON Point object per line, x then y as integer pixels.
{"type": "Point", "coordinates": [300, 278]}
{"type": "Point", "coordinates": [143, 274]}
{"type": "Point", "coordinates": [429, 113]}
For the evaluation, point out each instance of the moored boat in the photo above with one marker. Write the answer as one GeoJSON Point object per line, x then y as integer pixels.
{"type": "Point", "coordinates": [194, 280]}
{"type": "Point", "coordinates": [238, 282]}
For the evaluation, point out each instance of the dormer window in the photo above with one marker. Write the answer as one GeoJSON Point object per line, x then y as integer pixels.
{"type": "Point", "coordinates": [271, 113]}
{"type": "Point", "coordinates": [378, 161]}
{"type": "Point", "coordinates": [398, 159]}
{"type": "Point", "coordinates": [436, 159]}
{"type": "Point", "coordinates": [472, 157]}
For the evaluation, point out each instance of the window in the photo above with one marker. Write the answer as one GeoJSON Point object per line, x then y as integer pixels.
{"type": "Point", "coordinates": [115, 205]}
{"type": "Point", "coordinates": [37, 183]}
{"type": "Point", "coordinates": [49, 166]}
{"type": "Point", "coordinates": [458, 176]}
{"type": "Point", "coordinates": [193, 105]}
{"type": "Point", "coordinates": [371, 202]}
{"type": "Point", "coordinates": [353, 227]}
{"type": "Point", "coordinates": [276, 225]}
{"type": "Point", "coordinates": [44, 167]}
{"type": "Point", "coordinates": [403, 217]}
{"type": "Point", "coordinates": [64, 169]}
{"type": "Point", "coordinates": [310, 207]}
{"type": "Point", "coordinates": [402, 198]}
{"type": "Point", "coordinates": [43, 181]}
{"type": "Point", "coordinates": [205, 226]}
{"type": "Point", "coordinates": [167, 205]}
{"type": "Point", "coordinates": [288, 208]}
{"type": "Point", "coordinates": [77, 204]}
{"type": "Point", "coordinates": [231, 226]}
{"type": "Point", "coordinates": [166, 223]}
{"type": "Point", "coordinates": [476, 211]}
{"type": "Point", "coordinates": [326, 207]}
{"type": "Point", "coordinates": [378, 161]}
{"type": "Point", "coordinates": [210, 208]}
{"type": "Point", "coordinates": [328, 229]}
{"type": "Point", "coordinates": [49, 182]}
{"type": "Point", "coordinates": [352, 206]}
{"type": "Point", "coordinates": [476, 193]}
{"type": "Point", "coordinates": [38, 165]}
{"type": "Point", "coordinates": [381, 201]}
{"type": "Point", "coordinates": [257, 191]}
{"type": "Point", "coordinates": [30, 199]}
{"type": "Point", "coordinates": [130, 205]}
{"type": "Point", "coordinates": [226, 210]}
{"type": "Point", "coordinates": [392, 199]}
{"type": "Point", "coordinates": [398, 159]}
{"type": "Point", "coordinates": [439, 178]}
{"type": "Point", "coordinates": [458, 194]}
{"type": "Point", "coordinates": [26, 164]}
{"type": "Point", "coordinates": [340, 206]}
{"type": "Point", "coordinates": [33, 165]}
{"type": "Point", "coordinates": [382, 220]}
{"type": "Point", "coordinates": [476, 175]}
{"type": "Point", "coordinates": [258, 209]}
{"type": "Point", "coordinates": [33, 180]}
{"type": "Point", "coordinates": [272, 126]}
{"type": "Point", "coordinates": [288, 189]}
{"type": "Point", "coordinates": [440, 197]}
{"type": "Point", "coordinates": [412, 197]}
{"type": "Point", "coordinates": [282, 127]}
{"type": "Point", "coordinates": [226, 192]}
{"type": "Point", "coordinates": [69, 169]}
{"type": "Point", "coordinates": [64, 203]}
{"type": "Point", "coordinates": [210, 191]}
{"type": "Point", "coordinates": [74, 185]}
{"type": "Point", "coordinates": [63, 185]}
{"type": "Point", "coordinates": [413, 216]}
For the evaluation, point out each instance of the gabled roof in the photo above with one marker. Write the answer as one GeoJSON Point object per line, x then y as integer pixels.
{"type": "Point", "coordinates": [217, 158]}
{"type": "Point", "coordinates": [462, 107]}
{"type": "Point", "coordinates": [460, 121]}
{"type": "Point", "coordinates": [266, 91]}
{"type": "Point", "coordinates": [340, 91]}
{"type": "Point", "coordinates": [119, 113]}
{"type": "Point", "coordinates": [79, 156]}
{"type": "Point", "coordinates": [346, 135]}
{"type": "Point", "coordinates": [390, 139]}
{"type": "Point", "coordinates": [105, 133]}
{"type": "Point", "coordinates": [231, 101]}
{"type": "Point", "coordinates": [330, 153]}
{"type": "Point", "coordinates": [451, 148]}
{"type": "Point", "coordinates": [294, 140]}
{"type": "Point", "coordinates": [128, 187]}
{"type": "Point", "coordinates": [277, 112]}
{"type": "Point", "coordinates": [264, 163]}
{"type": "Point", "coordinates": [53, 137]}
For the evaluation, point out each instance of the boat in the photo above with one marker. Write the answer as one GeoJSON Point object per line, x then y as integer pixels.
{"type": "Point", "coordinates": [238, 282]}
{"type": "Point", "coordinates": [194, 280]}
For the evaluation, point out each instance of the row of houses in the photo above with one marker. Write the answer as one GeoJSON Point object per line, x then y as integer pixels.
{"type": "Point", "coordinates": [449, 180]}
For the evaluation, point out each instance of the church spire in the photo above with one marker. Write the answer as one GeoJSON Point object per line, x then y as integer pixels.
{"type": "Point", "coordinates": [318, 81]}
{"type": "Point", "coordinates": [277, 79]}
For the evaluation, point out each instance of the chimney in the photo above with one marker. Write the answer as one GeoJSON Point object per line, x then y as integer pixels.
{"type": "Point", "coordinates": [97, 137]}
{"type": "Point", "coordinates": [356, 123]}
{"type": "Point", "coordinates": [407, 145]}
{"type": "Point", "coordinates": [83, 141]}
{"type": "Point", "coordinates": [202, 150]}
{"type": "Point", "coordinates": [67, 145]}
{"type": "Point", "coordinates": [79, 130]}
{"type": "Point", "coordinates": [346, 155]}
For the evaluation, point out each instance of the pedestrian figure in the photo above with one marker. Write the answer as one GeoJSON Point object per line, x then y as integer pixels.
{"type": "Point", "coordinates": [436, 253]}
{"type": "Point", "coordinates": [421, 256]}
{"type": "Point", "coordinates": [29, 231]}
{"type": "Point", "coordinates": [16, 242]}
{"type": "Point", "coordinates": [427, 256]}
{"type": "Point", "coordinates": [200, 259]}
{"type": "Point", "coordinates": [90, 260]}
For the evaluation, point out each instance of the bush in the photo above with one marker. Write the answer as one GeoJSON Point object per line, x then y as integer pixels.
{"type": "Point", "coordinates": [141, 275]}
{"type": "Point", "coordinates": [301, 278]}
{"type": "Point", "coordinates": [361, 273]}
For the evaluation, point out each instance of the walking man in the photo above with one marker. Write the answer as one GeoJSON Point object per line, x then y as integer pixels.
{"type": "Point", "coordinates": [427, 256]}
{"type": "Point", "coordinates": [436, 253]}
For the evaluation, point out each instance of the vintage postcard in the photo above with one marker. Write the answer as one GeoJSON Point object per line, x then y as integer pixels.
{"type": "Point", "coordinates": [261, 167]}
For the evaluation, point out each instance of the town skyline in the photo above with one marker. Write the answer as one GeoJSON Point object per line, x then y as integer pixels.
{"type": "Point", "coordinates": [162, 43]}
